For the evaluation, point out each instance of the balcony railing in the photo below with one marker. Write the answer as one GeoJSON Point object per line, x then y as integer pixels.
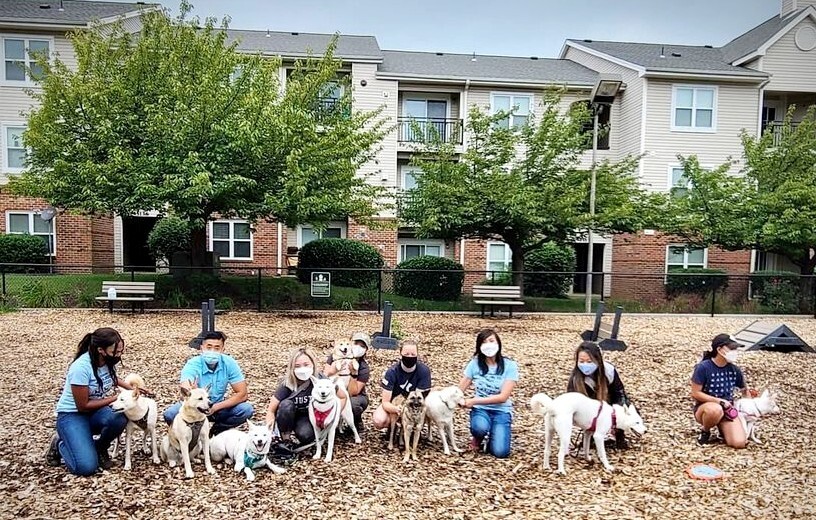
{"type": "Point", "coordinates": [326, 107]}
{"type": "Point", "coordinates": [423, 129]}
{"type": "Point", "coordinates": [778, 129]}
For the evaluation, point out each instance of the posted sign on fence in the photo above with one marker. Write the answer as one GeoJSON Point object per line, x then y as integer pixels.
{"type": "Point", "coordinates": [321, 285]}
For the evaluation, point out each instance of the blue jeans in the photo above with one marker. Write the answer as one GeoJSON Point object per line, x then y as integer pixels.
{"type": "Point", "coordinates": [495, 425]}
{"type": "Point", "coordinates": [222, 419]}
{"type": "Point", "coordinates": [76, 431]}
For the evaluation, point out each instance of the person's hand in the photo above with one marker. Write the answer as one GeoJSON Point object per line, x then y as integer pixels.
{"type": "Point", "coordinates": [147, 393]}
{"type": "Point", "coordinates": [468, 403]}
{"type": "Point", "coordinates": [752, 393]}
{"type": "Point", "coordinates": [214, 408]}
{"type": "Point", "coordinates": [725, 404]}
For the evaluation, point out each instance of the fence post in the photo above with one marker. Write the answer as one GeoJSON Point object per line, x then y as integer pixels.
{"type": "Point", "coordinates": [379, 290]}
{"type": "Point", "coordinates": [260, 290]}
{"type": "Point", "coordinates": [3, 274]}
{"type": "Point", "coordinates": [713, 297]}
{"type": "Point", "coordinates": [132, 273]}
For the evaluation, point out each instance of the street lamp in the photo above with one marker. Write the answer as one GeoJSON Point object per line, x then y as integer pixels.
{"type": "Point", "coordinates": [603, 95]}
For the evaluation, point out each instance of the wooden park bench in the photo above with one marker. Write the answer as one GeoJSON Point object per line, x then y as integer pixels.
{"type": "Point", "coordinates": [133, 292]}
{"type": "Point", "coordinates": [604, 333]}
{"type": "Point", "coordinates": [497, 296]}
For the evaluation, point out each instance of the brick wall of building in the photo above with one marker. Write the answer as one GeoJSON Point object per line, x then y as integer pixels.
{"type": "Point", "coordinates": [102, 242]}
{"type": "Point", "coordinates": [383, 236]}
{"type": "Point", "coordinates": [264, 251]}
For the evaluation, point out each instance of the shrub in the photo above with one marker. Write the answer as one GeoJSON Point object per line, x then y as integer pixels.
{"type": "Point", "coordinates": [499, 278]}
{"type": "Point", "coordinates": [550, 257]}
{"type": "Point", "coordinates": [441, 278]}
{"type": "Point", "coordinates": [41, 293]}
{"type": "Point", "coordinates": [777, 291]}
{"type": "Point", "coordinates": [170, 235]}
{"type": "Point", "coordinates": [22, 249]}
{"type": "Point", "coordinates": [326, 254]}
{"type": "Point", "coordinates": [177, 300]}
{"type": "Point", "coordinates": [695, 281]}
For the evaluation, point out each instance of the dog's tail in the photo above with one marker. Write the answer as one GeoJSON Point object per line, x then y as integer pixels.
{"type": "Point", "coordinates": [135, 381]}
{"type": "Point", "coordinates": [540, 404]}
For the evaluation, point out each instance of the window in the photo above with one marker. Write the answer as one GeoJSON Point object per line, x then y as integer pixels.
{"type": "Point", "coordinates": [518, 104]}
{"type": "Point", "coordinates": [604, 117]}
{"type": "Point", "coordinates": [499, 256]}
{"type": "Point", "coordinates": [14, 153]}
{"type": "Point", "coordinates": [333, 230]}
{"type": "Point", "coordinates": [678, 183]}
{"type": "Point", "coordinates": [30, 223]}
{"type": "Point", "coordinates": [680, 257]}
{"type": "Point", "coordinates": [232, 239]}
{"type": "Point", "coordinates": [413, 248]}
{"type": "Point", "coordinates": [409, 176]}
{"type": "Point", "coordinates": [18, 55]}
{"type": "Point", "coordinates": [694, 109]}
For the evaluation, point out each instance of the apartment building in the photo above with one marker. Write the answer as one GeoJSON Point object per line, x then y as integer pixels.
{"type": "Point", "coordinates": [676, 99]}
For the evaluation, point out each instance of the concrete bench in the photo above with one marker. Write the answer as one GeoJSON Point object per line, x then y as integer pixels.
{"type": "Point", "coordinates": [133, 292]}
{"type": "Point", "coordinates": [497, 296]}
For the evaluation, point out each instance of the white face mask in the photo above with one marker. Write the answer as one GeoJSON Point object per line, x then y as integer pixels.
{"type": "Point", "coordinates": [304, 373]}
{"type": "Point", "coordinates": [358, 351]}
{"type": "Point", "coordinates": [731, 356]}
{"type": "Point", "coordinates": [489, 349]}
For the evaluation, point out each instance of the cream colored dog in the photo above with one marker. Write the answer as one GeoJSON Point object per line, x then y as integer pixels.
{"type": "Point", "coordinates": [440, 408]}
{"type": "Point", "coordinates": [189, 435]}
{"type": "Point", "coordinates": [344, 361]}
{"type": "Point", "coordinates": [142, 415]}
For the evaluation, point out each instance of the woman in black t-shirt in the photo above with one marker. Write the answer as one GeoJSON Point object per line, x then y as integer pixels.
{"type": "Point", "coordinates": [289, 407]}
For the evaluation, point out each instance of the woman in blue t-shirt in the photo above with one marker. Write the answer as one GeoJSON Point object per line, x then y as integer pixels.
{"type": "Point", "coordinates": [83, 409]}
{"type": "Point", "coordinates": [712, 387]}
{"type": "Point", "coordinates": [494, 378]}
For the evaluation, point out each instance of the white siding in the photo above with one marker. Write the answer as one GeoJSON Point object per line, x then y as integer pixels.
{"type": "Point", "coordinates": [791, 68]}
{"type": "Point", "coordinates": [737, 109]}
{"type": "Point", "coordinates": [382, 171]}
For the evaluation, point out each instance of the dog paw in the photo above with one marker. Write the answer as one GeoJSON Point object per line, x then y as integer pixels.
{"type": "Point", "coordinates": [609, 469]}
{"type": "Point", "coordinates": [156, 461]}
{"type": "Point", "coordinates": [127, 467]}
{"type": "Point", "coordinates": [189, 475]}
{"type": "Point", "coordinates": [172, 463]}
{"type": "Point", "coordinates": [250, 477]}
{"type": "Point", "coordinates": [316, 456]}
{"type": "Point", "coordinates": [211, 471]}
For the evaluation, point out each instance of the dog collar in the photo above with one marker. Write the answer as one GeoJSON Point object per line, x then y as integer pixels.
{"type": "Point", "coordinates": [142, 423]}
{"type": "Point", "coordinates": [251, 458]}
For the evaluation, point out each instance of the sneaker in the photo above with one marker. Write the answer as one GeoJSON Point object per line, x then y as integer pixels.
{"type": "Point", "coordinates": [704, 437]}
{"type": "Point", "coordinates": [52, 455]}
{"type": "Point", "coordinates": [105, 461]}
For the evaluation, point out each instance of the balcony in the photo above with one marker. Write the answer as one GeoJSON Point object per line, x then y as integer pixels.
{"type": "Point", "coordinates": [331, 107]}
{"type": "Point", "coordinates": [778, 129]}
{"type": "Point", "coordinates": [424, 129]}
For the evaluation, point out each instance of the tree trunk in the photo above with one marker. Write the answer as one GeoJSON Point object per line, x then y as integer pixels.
{"type": "Point", "coordinates": [807, 291]}
{"type": "Point", "coordinates": [198, 247]}
{"type": "Point", "coordinates": [517, 264]}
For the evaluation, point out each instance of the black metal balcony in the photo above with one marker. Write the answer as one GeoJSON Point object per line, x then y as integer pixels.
{"type": "Point", "coordinates": [327, 107]}
{"type": "Point", "coordinates": [778, 129]}
{"type": "Point", "coordinates": [427, 129]}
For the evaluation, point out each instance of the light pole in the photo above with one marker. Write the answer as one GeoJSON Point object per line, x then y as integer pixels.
{"type": "Point", "coordinates": [603, 95]}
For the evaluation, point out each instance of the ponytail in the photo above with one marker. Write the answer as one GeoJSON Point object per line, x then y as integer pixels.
{"type": "Point", "coordinates": [709, 354]}
{"type": "Point", "coordinates": [84, 345]}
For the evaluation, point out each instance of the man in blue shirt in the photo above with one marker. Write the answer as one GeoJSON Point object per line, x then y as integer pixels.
{"type": "Point", "coordinates": [220, 371]}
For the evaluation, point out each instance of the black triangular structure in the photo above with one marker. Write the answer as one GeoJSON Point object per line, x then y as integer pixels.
{"type": "Point", "coordinates": [767, 336]}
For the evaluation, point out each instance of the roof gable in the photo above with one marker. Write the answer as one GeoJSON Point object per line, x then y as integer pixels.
{"type": "Point", "coordinates": [297, 44]}
{"type": "Point", "coordinates": [756, 42]}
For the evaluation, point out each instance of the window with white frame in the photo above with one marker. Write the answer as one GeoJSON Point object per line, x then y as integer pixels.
{"type": "Point", "coordinates": [679, 185]}
{"type": "Point", "coordinates": [499, 256]}
{"type": "Point", "coordinates": [680, 257]}
{"type": "Point", "coordinates": [14, 153]}
{"type": "Point", "coordinates": [694, 108]}
{"type": "Point", "coordinates": [30, 223]}
{"type": "Point", "coordinates": [519, 104]}
{"type": "Point", "coordinates": [19, 54]}
{"type": "Point", "coordinates": [333, 230]}
{"type": "Point", "coordinates": [408, 177]}
{"type": "Point", "coordinates": [412, 248]}
{"type": "Point", "coordinates": [231, 239]}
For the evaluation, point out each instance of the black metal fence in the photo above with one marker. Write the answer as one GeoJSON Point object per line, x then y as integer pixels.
{"type": "Point", "coordinates": [284, 288]}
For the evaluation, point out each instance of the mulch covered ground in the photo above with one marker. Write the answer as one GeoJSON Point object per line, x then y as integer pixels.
{"type": "Point", "coordinates": [774, 480]}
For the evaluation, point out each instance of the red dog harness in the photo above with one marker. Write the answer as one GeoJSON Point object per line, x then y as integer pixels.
{"type": "Point", "coordinates": [595, 420]}
{"type": "Point", "coordinates": [320, 417]}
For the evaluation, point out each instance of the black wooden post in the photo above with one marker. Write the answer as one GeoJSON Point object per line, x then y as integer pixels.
{"type": "Point", "coordinates": [3, 274]}
{"type": "Point", "coordinates": [260, 290]}
{"type": "Point", "coordinates": [379, 290]}
{"type": "Point", "coordinates": [713, 298]}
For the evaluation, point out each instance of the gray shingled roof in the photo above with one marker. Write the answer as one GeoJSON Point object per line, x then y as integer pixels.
{"type": "Point", "coordinates": [691, 59]}
{"type": "Point", "coordinates": [75, 12]}
{"type": "Point", "coordinates": [752, 40]}
{"type": "Point", "coordinates": [506, 68]}
{"type": "Point", "coordinates": [294, 44]}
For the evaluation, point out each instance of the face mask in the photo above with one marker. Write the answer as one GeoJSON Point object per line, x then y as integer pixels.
{"type": "Point", "coordinates": [113, 360]}
{"type": "Point", "coordinates": [304, 373]}
{"type": "Point", "coordinates": [211, 358]}
{"type": "Point", "coordinates": [489, 349]}
{"type": "Point", "coordinates": [587, 368]}
{"type": "Point", "coordinates": [731, 356]}
{"type": "Point", "coordinates": [409, 363]}
{"type": "Point", "coordinates": [358, 351]}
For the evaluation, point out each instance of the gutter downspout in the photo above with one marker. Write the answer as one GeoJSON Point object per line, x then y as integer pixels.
{"type": "Point", "coordinates": [280, 248]}
{"type": "Point", "coordinates": [464, 109]}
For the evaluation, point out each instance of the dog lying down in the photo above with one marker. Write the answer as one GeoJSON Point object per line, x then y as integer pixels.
{"type": "Point", "coordinates": [591, 416]}
{"type": "Point", "coordinates": [247, 450]}
{"type": "Point", "coordinates": [751, 410]}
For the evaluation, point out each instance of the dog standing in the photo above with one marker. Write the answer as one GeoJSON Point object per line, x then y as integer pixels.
{"type": "Point", "coordinates": [440, 407]}
{"type": "Point", "coordinates": [590, 415]}
{"type": "Point", "coordinates": [248, 450]}
{"type": "Point", "coordinates": [412, 420]}
{"type": "Point", "coordinates": [142, 414]}
{"type": "Point", "coordinates": [394, 420]}
{"type": "Point", "coordinates": [751, 410]}
{"type": "Point", "coordinates": [325, 414]}
{"type": "Point", "coordinates": [189, 435]}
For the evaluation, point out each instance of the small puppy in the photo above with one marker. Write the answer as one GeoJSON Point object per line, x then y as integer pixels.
{"type": "Point", "coordinates": [325, 414]}
{"type": "Point", "coordinates": [440, 408]}
{"type": "Point", "coordinates": [142, 414]}
{"type": "Point", "coordinates": [394, 420]}
{"type": "Point", "coordinates": [343, 360]}
{"type": "Point", "coordinates": [248, 450]}
{"type": "Point", "coordinates": [189, 435]}
{"type": "Point", "coordinates": [751, 410]}
{"type": "Point", "coordinates": [412, 420]}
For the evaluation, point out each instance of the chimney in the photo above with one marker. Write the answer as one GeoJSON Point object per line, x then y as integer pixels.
{"type": "Point", "coordinates": [788, 6]}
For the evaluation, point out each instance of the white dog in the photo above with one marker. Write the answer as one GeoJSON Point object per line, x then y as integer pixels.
{"type": "Point", "coordinates": [590, 415]}
{"type": "Point", "coordinates": [142, 414]}
{"type": "Point", "coordinates": [752, 409]}
{"type": "Point", "coordinates": [325, 414]}
{"type": "Point", "coordinates": [248, 450]}
{"type": "Point", "coordinates": [189, 435]}
{"type": "Point", "coordinates": [440, 407]}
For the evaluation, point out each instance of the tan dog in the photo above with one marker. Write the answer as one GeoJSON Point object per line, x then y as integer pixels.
{"type": "Point", "coordinates": [394, 420]}
{"type": "Point", "coordinates": [413, 419]}
{"type": "Point", "coordinates": [343, 360]}
{"type": "Point", "coordinates": [189, 435]}
{"type": "Point", "coordinates": [142, 415]}
{"type": "Point", "coordinates": [440, 409]}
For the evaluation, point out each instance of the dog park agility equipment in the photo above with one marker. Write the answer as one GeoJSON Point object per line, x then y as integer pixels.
{"type": "Point", "coordinates": [383, 339]}
{"type": "Point", "coordinates": [207, 323]}
{"type": "Point", "coordinates": [771, 336]}
{"type": "Point", "coordinates": [604, 333]}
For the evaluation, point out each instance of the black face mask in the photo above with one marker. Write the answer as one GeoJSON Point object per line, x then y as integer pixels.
{"type": "Point", "coordinates": [409, 361]}
{"type": "Point", "coordinates": [112, 360]}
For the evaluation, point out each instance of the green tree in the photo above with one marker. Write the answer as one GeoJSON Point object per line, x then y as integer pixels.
{"type": "Point", "coordinates": [521, 185]}
{"type": "Point", "coordinates": [771, 206]}
{"type": "Point", "coordinates": [174, 119]}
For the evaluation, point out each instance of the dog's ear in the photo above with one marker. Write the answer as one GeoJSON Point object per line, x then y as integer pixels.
{"type": "Point", "coordinates": [194, 383]}
{"type": "Point", "coordinates": [185, 391]}
{"type": "Point", "coordinates": [135, 393]}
